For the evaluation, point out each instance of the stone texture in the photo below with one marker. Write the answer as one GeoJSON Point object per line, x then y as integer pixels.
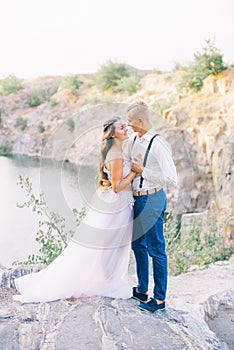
{"type": "Point", "coordinates": [109, 324]}
{"type": "Point", "coordinates": [220, 83]}
{"type": "Point", "coordinates": [98, 323]}
{"type": "Point", "coordinates": [207, 120]}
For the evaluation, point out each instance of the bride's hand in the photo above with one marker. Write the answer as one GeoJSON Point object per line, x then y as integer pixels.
{"type": "Point", "coordinates": [106, 183]}
{"type": "Point", "coordinates": [137, 165]}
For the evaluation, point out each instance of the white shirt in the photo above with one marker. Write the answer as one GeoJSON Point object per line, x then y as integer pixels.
{"type": "Point", "coordinates": [160, 169]}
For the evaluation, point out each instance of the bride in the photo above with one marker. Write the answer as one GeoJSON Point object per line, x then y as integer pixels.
{"type": "Point", "coordinates": [95, 262]}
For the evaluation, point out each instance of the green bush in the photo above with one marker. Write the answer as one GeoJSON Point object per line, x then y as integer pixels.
{"type": "Point", "coordinates": [210, 61]}
{"type": "Point", "coordinates": [70, 124]}
{"type": "Point", "coordinates": [177, 67]}
{"type": "Point", "coordinates": [109, 75]}
{"type": "Point", "coordinates": [51, 235]}
{"type": "Point", "coordinates": [41, 127]}
{"type": "Point", "coordinates": [54, 87]}
{"type": "Point", "coordinates": [21, 123]}
{"type": "Point", "coordinates": [52, 102]}
{"type": "Point", "coordinates": [192, 249]}
{"type": "Point", "coordinates": [127, 84]}
{"type": "Point", "coordinates": [35, 97]}
{"type": "Point", "coordinates": [10, 85]}
{"type": "Point", "coordinates": [5, 148]}
{"type": "Point", "coordinates": [71, 83]}
{"type": "Point", "coordinates": [157, 71]}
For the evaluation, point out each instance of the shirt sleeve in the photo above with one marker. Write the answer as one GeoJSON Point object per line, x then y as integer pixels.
{"type": "Point", "coordinates": [166, 173]}
{"type": "Point", "coordinates": [153, 175]}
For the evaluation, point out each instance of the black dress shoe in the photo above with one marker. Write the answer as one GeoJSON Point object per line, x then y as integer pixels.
{"type": "Point", "coordinates": [152, 306]}
{"type": "Point", "coordinates": [139, 296]}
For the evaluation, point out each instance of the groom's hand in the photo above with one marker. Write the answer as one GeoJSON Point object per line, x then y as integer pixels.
{"type": "Point", "coordinates": [137, 165]}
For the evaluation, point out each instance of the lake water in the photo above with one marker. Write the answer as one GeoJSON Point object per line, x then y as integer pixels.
{"type": "Point", "coordinates": [65, 186]}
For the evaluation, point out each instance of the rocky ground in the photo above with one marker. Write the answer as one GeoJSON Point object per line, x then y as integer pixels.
{"type": "Point", "coordinates": [109, 324]}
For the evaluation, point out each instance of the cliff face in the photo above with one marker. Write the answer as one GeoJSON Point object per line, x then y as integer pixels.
{"type": "Point", "coordinates": [207, 120]}
{"type": "Point", "coordinates": [199, 127]}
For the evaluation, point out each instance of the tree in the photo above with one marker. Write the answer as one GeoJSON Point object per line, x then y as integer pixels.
{"type": "Point", "coordinates": [128, 84]}
{"type": "Point", "coordinates": [109, 75]}
{"type": "Point", "coordinates": [10, 85]}
{"type": "Point", "coordinates": [210, 61]}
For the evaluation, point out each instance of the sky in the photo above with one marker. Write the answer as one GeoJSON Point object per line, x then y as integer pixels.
{"type": "Point", "coordinates": [61, 37]}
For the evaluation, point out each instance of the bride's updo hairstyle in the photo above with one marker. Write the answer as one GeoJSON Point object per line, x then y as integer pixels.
{"type": "Point", "coordinates": [107, 142]}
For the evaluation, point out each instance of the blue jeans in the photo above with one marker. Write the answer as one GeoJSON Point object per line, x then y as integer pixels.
{"type": "Point", "coordinates": [148, 240]}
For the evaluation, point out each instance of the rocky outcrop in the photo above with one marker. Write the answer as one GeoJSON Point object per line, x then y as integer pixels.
{"type": "Point", "coordinates": [107, 324]}
{"type": "Point", "coordinates": [221, 83]}
{"type": "Point", "coordinates": [207, 120]}
{"type": "Point", "coordinates": [219, 311]}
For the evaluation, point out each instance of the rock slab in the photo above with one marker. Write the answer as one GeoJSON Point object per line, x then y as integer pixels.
{"type": "Point", "coordinates": [110, 324]}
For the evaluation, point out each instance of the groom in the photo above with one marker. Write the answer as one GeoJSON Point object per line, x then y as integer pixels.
{"type": "Point", "coordinates": [151, 159]}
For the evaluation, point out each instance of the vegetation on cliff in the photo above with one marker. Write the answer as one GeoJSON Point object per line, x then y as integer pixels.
{"type": "Point", "coordinates": [116, 78]}
{"type": "Point", "coordinates": [208, 62]}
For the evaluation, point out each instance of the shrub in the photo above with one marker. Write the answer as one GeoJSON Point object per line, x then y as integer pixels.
{"type": "Point", "coordinates": [109, 75]}
{"type": "Point", "coordinates": [41, 127]}
{"type": "Point", "coordinates": [70, 124]}
{"type": "Point", "coordinates": [51, 234]}
{"type": "Point", "coordinates": [10, 85]}
{"type": "Point", "coordinates": [54, 87]}
{"type": "Point", "coordinates": [177, 67]}
{"type": "Point", "coordinates": [5, 148]}
{"type": "Point", "coordinates": [128, 84]}
{"type": "Point", "coordinates": [157, 71]}
{"type": "Point", "coordinates": [210, 61]}
{"type": "Point", "coordinates": [35, 97]}
{"type": "Point", "coordinates": [192, 249]}
{"type": "Point", "coordinates": [2, 110]}
{"type": "Point", "coordinates": [21, 123]}
{"type": "Point", "coordinates": [52, 102]}
{"type": "Point", "coordinates": [72, 83]}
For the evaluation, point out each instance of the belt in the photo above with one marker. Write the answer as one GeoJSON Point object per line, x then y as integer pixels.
{"type": "Point", "coordinates": [144, 193]}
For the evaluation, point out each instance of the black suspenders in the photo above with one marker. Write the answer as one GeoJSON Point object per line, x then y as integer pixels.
{"type": "Point", "coordinates": [146, 154]}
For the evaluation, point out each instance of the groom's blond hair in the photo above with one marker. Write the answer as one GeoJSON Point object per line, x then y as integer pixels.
{"type": "Point", "coordinates": [139, 109]}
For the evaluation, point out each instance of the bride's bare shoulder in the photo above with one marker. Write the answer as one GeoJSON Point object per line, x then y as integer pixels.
{"type": "Point", "coordinates": [113, 154]}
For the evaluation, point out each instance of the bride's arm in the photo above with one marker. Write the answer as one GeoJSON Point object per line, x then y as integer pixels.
{"type": "Point", "coordinates": [118, 183]}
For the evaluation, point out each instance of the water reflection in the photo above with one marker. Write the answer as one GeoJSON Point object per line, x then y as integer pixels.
{"type": "Point", "coordinates": [66, 185]}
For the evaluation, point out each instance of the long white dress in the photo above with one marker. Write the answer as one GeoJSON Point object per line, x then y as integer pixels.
{"type": "Point", "coordinates": [95, 262]}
